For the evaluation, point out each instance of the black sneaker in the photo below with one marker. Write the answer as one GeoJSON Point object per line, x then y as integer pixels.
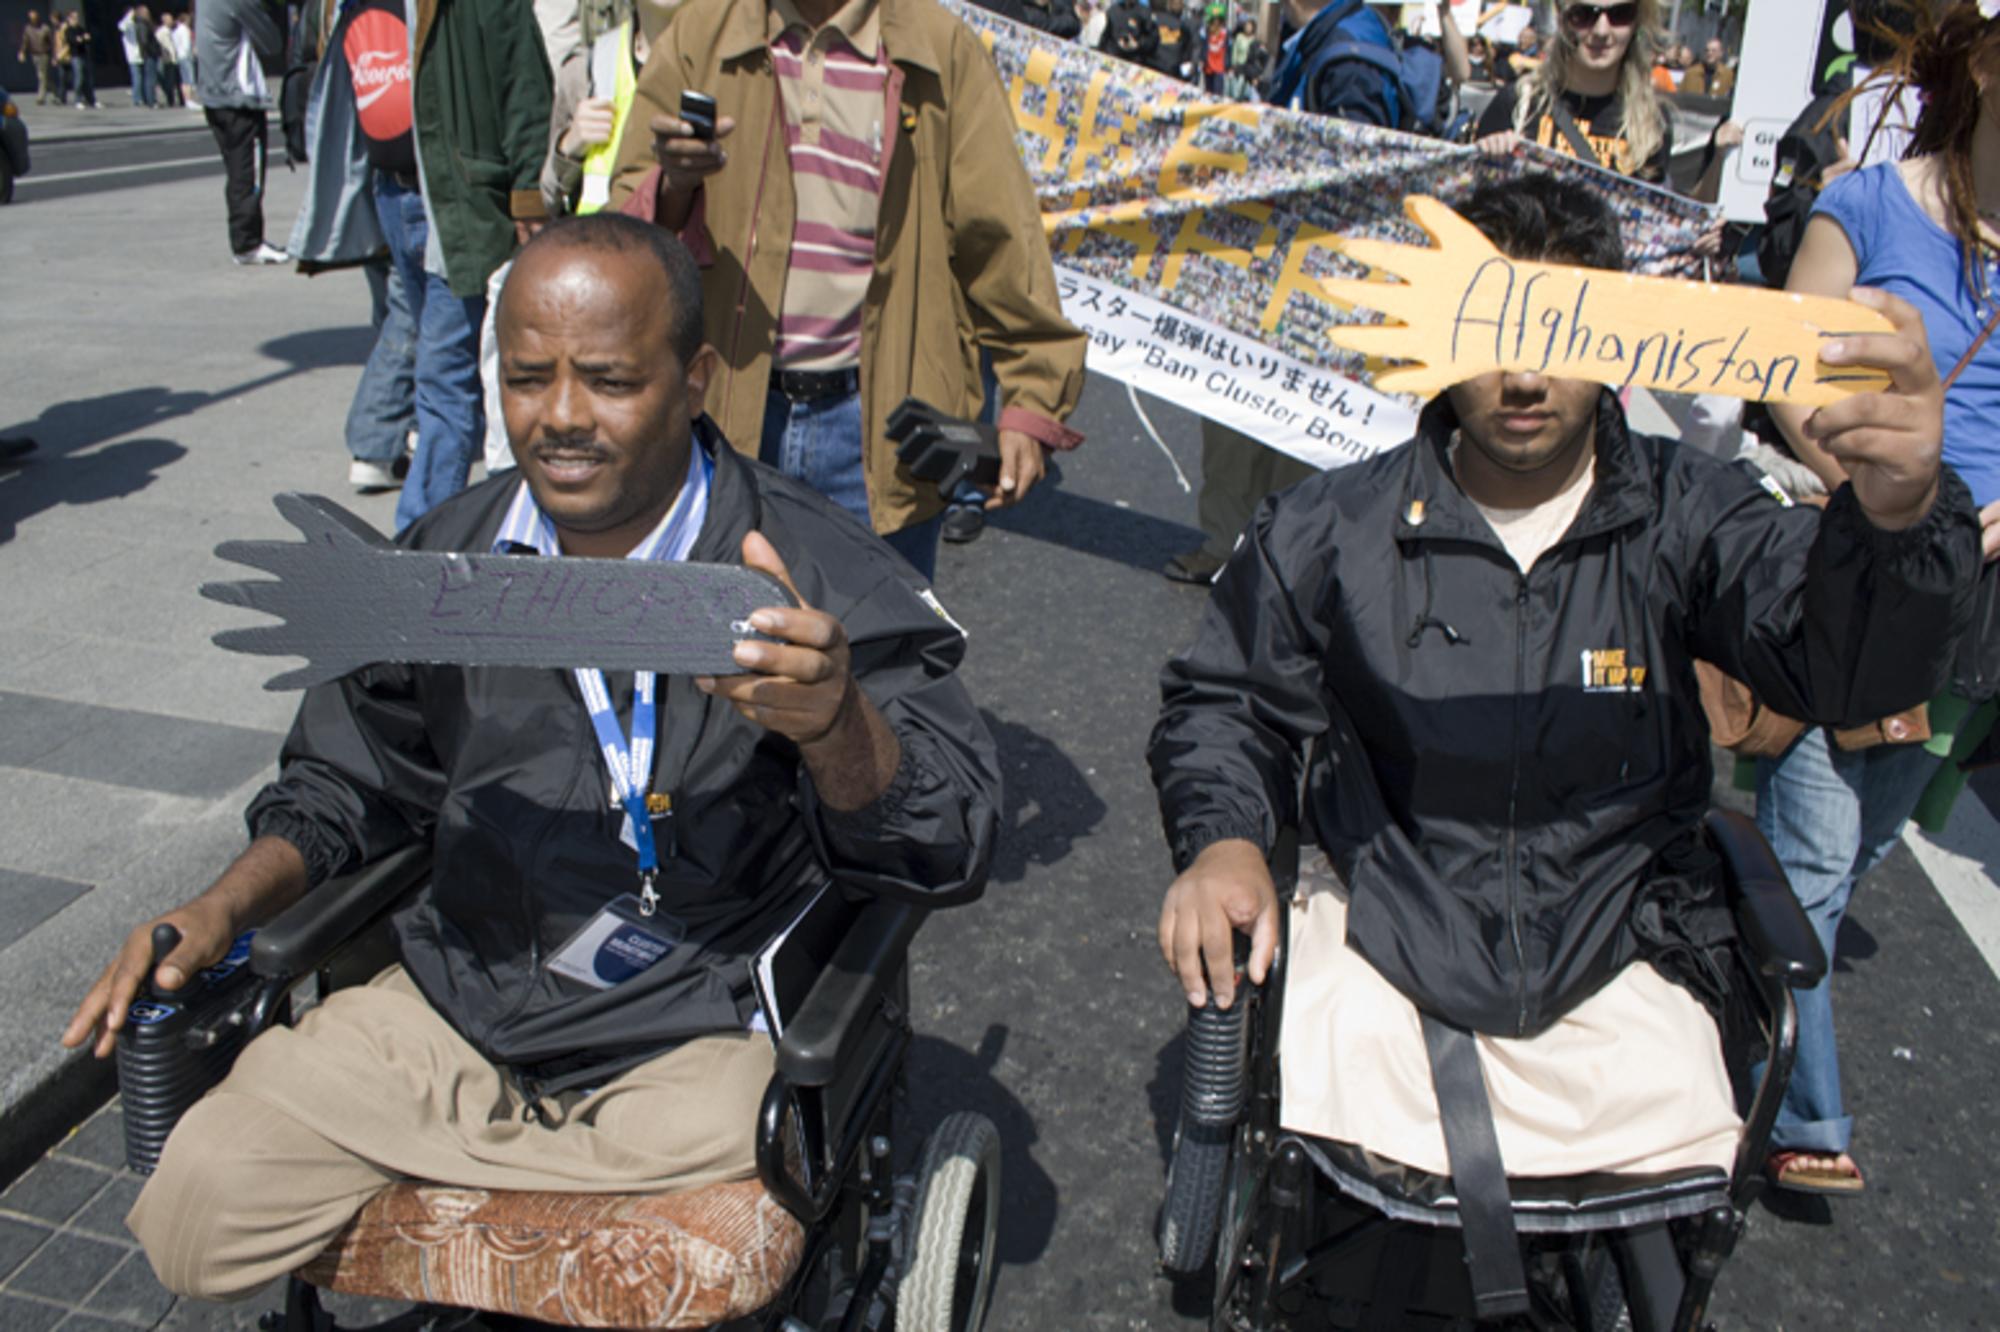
{"type": "Point", "coordinates": [963, 523]}
{"type": "Point", "coordinates": [1196, 567]}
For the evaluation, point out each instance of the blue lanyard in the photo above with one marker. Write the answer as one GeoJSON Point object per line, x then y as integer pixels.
{"type": "Point", "coordinates": [631, 766]}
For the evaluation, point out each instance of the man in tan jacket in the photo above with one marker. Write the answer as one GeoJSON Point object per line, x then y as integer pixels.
{"type": "Point", "coordinates": [866, 231]}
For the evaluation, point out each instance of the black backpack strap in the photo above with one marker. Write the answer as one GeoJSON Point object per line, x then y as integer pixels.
{"type": "Point", "coordinates": [1566, 123]}
{"type": "Point", "coordinates": [1485, 1208]}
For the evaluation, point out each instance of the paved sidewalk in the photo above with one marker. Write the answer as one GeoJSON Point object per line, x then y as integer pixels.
{"type": "Point", "coordinates": [115, 117]}
{"type": "Point", "coordinates": [67, 1263]}
{"type": "Point", "coordinates": [168, 411]}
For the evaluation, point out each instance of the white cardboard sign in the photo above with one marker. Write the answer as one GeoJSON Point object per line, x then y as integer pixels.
{"type": "Point", "coordinates": [1774, 83]}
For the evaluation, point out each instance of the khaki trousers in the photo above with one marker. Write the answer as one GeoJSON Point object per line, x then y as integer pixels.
{"type": "Point", "coordinates": [1236, 474]}
{"type": "Point", "coordinates": [373, 1086]}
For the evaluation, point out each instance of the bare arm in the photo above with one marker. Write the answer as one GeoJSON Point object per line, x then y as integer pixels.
{"type": "Point", "coordinates": [1457, 60]}
{"type": "Point", "coordinates": [268, 877]}
{"type": "Point", "coordinates": [1825, 266]}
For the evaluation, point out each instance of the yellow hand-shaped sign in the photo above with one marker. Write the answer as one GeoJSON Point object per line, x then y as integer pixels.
{"type": "Point", "coordinates": [1463, 309]}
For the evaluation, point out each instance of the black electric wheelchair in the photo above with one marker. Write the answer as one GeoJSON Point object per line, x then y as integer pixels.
{"type": "Point", "coordinates": [829, 1236]}
{"type": "Point", "coordinates": [1301, 1232]}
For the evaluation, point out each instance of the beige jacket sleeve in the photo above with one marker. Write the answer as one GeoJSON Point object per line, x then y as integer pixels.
{"type": "Point", "coordinates": [1000, 256]}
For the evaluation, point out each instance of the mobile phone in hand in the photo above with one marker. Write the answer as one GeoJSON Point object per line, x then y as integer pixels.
{"type": "Point", "coordinates": [698, 111]}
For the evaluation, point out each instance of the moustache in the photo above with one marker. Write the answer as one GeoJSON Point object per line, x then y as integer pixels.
{"type": "Point", "coordinates": [572, 448]}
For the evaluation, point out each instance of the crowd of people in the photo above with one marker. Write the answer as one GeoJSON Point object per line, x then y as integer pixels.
{"type": "Point", "coordinates": [681, 236]}
{"type": "Point", "coordinates": [159, 57]}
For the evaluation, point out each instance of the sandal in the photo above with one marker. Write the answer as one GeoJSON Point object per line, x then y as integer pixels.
{"type": "Point", "coordinates": [1815, 1172]}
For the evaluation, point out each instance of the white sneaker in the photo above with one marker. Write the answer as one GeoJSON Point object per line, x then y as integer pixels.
{"type": "Point", "coordinates": [367, 476]}
{"type": "Point", "coordinates": [263, 254]}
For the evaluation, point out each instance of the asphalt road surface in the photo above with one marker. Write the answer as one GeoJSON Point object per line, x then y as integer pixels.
{"type": "Point", "coordinates": [68, 168]}
{"type": "Point", "coordinates": [171, 404]}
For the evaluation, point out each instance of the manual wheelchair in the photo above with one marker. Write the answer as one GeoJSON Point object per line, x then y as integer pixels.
{"type": "Point", "coordinates": [1301, 1232]}
{"type": "Point", "coordinates": [829, 1236]}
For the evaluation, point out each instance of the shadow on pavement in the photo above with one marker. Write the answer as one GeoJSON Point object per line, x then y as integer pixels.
{"type": "Point", "coordinates": [943, 1078]}
{"type": "Point", "coordinates": [59, 472]}
{"type": "Point", "coordinates": [42, 482]}
{"type": "Point", "coordinates": [1093, 527]}
{"type": "Point", "coordinates": [65, 427]}
{"type": "Point", "coordinates": [1050, 805]}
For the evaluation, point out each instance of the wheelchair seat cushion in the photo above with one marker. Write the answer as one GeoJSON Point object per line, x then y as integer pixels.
{"type": "Point", "coordinates": [1563, 1204]}
{"type": "Point", "coordinates": [1630, 1081]}
{"type": "Point", "coordinates": [674, 1260]}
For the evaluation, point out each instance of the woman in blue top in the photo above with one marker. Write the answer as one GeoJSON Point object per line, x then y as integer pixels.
{"type": "Point", "coordinates": [1928, 229]}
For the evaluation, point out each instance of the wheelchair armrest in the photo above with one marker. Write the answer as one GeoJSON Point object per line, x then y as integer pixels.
{"type": "Point", "coordinates": [866, 962]}
{"type": "Point", "coordinates": [1770, 920]}
{"type": "Point", "coordinates": [305, 934]}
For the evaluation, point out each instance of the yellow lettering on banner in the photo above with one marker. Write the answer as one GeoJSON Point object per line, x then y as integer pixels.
{"type": "Point", "coordinates": [1190, 239]}
{"type": "Point", "coordinates": [1292, 277]}
{"type": "Point", "coordinates": [1464, 309]}
{"type": "Point", "coordinates": [1184, 156]}
{"type": "Point", "coordinates": [1039, 68]}
{"type": "Point", "coordinates": [1090, 144]}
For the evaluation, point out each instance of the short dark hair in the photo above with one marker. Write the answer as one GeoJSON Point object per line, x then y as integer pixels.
{"type": "Point", "coordinates": [617, 231]}
{"type": "Point", "coordinates": [1538, 216]}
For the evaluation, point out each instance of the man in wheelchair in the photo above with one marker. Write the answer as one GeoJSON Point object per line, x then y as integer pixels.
{"type": "Point", "coordinates": [500, 1054]}
{"type": "Point", "coordinates": [1477, 651]}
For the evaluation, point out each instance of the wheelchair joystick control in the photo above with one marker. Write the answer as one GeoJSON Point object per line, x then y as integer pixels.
{"type": "Point", "coordinates": [176, 1044]}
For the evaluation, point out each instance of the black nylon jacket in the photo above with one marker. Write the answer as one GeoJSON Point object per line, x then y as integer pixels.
{"type": "Point", "coordinates": [1491, 788]}
{"type": "Point", "coordinates": [499, 769]}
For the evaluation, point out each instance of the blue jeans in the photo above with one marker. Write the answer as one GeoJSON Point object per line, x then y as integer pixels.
{"type": "Point", "coordinates": [451, 414]}
{"type": "Point", "coordinates": [965, 494]}
{"type": "Point", "coordinates": [84, 79]}
{"type": "Point", "coordinates": [145, 80]}
{"type": "Point", "coordinates": [819, 443]}
{"type": "Point", "coordinates": [1830, 815]}
{"type": "Point", "coordinates": [384, 406]}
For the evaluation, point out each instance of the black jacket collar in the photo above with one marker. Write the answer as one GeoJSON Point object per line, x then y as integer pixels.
{"type": "Point", "coordinates": [1622, 492]}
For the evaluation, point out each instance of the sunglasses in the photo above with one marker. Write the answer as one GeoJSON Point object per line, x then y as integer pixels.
{"type": "Point", "coordinates": [1582, 18]}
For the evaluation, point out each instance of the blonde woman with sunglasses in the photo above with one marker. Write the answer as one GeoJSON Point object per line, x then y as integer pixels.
{"type": "Point", "coordinates": [1593, 96]}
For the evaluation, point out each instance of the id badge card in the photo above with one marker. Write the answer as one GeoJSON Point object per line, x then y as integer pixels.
{"type": "Point", "coordinates": [616, 944]}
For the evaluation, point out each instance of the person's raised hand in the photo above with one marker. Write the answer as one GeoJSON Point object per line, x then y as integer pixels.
{"type": "Point", "coordinates": [1227, 888]}
{"type": "Point", "coordinates": [206, 934]}
{"type": "Point", "coordinates": [686, 161]}
{"type": "Point", "coordinates": [800, 686]}
{"type": "Point", "coordinates": [589, 126]}
{"type": "Point", "coordinates": [1989, 531]}
{"type": "Point", "coordinates": [1022, 464]}
{"type": "Point", "coordinates": [1500, 143]}
{"type": "Point", "coordinates": [1888, 443]}
{"type": "Point", "coordinates": [1728, 135]}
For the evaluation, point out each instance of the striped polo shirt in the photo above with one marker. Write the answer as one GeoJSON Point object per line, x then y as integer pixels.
{"type": "Point", "coordinates": [831, 84]}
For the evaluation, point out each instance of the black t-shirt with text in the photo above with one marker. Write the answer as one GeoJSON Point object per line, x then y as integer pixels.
{"type": "Point", "coordinates": [377, 49]}
{"type": "Point", "coordinates": [1600, 119]}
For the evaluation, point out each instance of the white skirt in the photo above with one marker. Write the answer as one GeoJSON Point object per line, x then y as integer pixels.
{"type": "Point", "coordinates": [1631, 1080]}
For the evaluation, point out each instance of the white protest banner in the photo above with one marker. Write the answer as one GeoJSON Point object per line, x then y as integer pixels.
{"type": "Point", "coordinates": [1310, 412]}
{"type": "Point", "coordinates": [1181, 220]}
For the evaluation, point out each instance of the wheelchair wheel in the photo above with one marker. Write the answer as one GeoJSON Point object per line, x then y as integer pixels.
{"type": "Point", "coordinates": [1193, 1206]}
{"type": "Point", "coordinates": [952, 1228]}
